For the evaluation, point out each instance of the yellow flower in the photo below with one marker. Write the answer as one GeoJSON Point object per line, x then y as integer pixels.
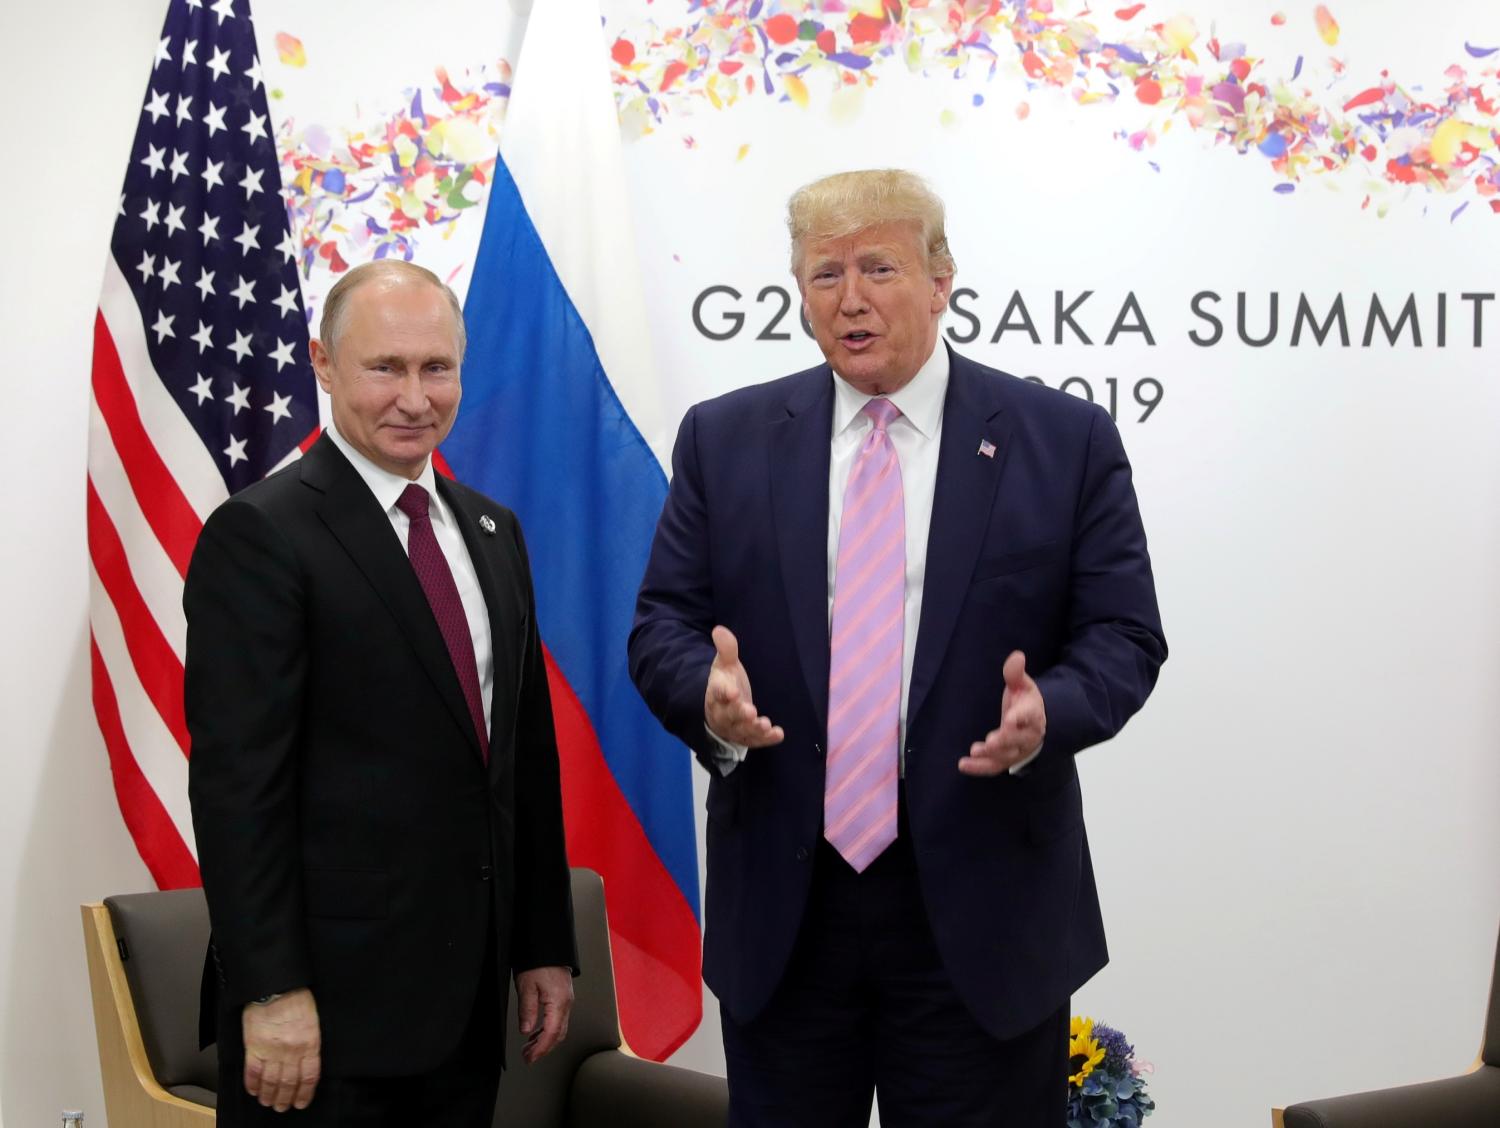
{"type": "Point", "coordinates": [1084, 1051]}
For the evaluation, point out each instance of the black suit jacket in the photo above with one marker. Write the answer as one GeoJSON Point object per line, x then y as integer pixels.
{"type": "Point", "coordinates": [350, 837]}
{"type": "Point", "coordinates": [1036, 546]}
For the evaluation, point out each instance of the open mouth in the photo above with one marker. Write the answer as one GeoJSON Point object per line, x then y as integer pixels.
{"type": "Point", "coordinates": [858, 339]}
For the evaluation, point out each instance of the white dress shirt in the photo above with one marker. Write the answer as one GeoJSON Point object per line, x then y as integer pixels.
{"type": "Point", "coordinates": [387, 488]}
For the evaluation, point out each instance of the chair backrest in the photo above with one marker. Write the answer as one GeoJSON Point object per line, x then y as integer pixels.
{"type": "Point", "coordinates": [537, 1095]}
{"type": "Point", "coordinates": [163, 938]}
{"type": "Point", "coordinates": [1489, 1052]}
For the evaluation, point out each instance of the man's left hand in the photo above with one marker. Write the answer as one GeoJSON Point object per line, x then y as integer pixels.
{"type": "Point", "coordinates": [544, 999]}
{"type": "Point", "coordinates": [1023, 724]}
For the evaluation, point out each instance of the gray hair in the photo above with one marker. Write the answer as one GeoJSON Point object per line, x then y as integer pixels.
{"type": "Point", "coordinates": [847, 202]}
{"type": "Point", "coordinates": [336, 304]}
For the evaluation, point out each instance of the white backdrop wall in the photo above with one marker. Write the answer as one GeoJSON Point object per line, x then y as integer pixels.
{"type": "Point", "coordinates": [1298, 841]}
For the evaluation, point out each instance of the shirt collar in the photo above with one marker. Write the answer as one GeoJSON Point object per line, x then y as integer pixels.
{"type": "Point", "coordinates": [920, 400]}
{"type": "Point", "coordinates": [388, 487]}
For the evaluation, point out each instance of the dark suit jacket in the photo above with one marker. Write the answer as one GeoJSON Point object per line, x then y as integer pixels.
{"type": "Point", "coordinates": [1038, 548]}
{"type": "Point", "coordinates": [350, 837]}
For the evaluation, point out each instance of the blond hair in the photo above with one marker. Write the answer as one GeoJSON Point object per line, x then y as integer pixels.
{"type": "Point", "coordinates": [336, 304]}
{"type": "Point", "coordinates": [847, 202]}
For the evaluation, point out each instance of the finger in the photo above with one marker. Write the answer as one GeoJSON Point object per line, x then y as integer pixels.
{"type": "Point", "coordinates": [270, 1077]}
{"type": "Point", "coordinates": [550, 1036]}
{"type": "Point", "coordinates": [981, 766]}
{"type": "Point", "coordinates": [727, 646]}
{"type": "Point", "coordinates": [254, 1071]}
{"type": "Point", "coordinates": [312, 1070]}
{"type": "Point", "coordinates": [526, 1008]}
{"type": "Point", "coordinates": [286, 1087]}
{"type": "Point", "coordinates": [1015, 671]}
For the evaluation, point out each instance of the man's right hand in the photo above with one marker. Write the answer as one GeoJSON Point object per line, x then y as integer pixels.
{"type": "Point", "coordinates": [727, 706]}
{"type": "Point", "coordinates": [283, 1050]}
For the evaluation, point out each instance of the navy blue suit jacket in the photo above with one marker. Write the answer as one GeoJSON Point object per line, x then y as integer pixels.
{"type": "Point", "coordinates": [1037, 548]}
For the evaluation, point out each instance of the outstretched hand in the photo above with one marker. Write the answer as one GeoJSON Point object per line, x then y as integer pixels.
{"type": "Point", "coordinates": [727, 705]}
{"type": "Point", "coordinates": [1023, 724]}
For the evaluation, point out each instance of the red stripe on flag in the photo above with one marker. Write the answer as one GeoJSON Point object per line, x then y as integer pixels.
{"type": "Point", "coordinates": [308, 442]}
{"type": "Point", "coordinates": [152, 656]}
{"type": "Point", "coordinates": [156, 837]}
{"type": "Point", "coordinates": [656, 944]}
{"type": "Point", "coordinates": [166, 508]}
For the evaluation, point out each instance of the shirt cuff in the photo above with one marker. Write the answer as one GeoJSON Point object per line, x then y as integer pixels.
{"type": "Point", "coordinates": [726, 756]}
{"type": "Point", "coordinates": [1020, 768]}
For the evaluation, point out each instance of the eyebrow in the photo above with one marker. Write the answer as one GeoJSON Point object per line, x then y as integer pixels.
{"type": "Point", "coordinates": [397, 360]}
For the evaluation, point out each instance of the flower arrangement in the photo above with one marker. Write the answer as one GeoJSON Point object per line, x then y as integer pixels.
{"type": "Point", "coordinates": [1106, 1088]}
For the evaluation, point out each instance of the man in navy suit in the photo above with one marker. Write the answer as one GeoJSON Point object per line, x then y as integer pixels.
{"type": "Point", "coordinates": [889, 599]}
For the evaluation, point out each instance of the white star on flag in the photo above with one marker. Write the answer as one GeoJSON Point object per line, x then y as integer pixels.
{"type": "Point", "coordinates": [282, 354]}
{"type": "Point", "coordinates": [250, 182]}
{"type": "Point", "coordinates": [287, 302]}
{"type": "Point", "coordinates": [247, 239]}
{"type": "Point", "coordinates": [219, 64]}
{"type": "Point", "coordinates": [203, 338]}
{"type": "Point", "coordinates": [240, 348]}
{"type": "Point", "coordinates": [168, 273]}
{"type": "Point", "coordinates": [224, 9]}
{"type": "Point", "coordinates": [279, 407]}
{"type": "Point", "coordinates": [240, 398]}
{"type": "Point", "coordinates": [244, 292]}
{"type": "Point", "coordinates": [174, 219]}
{"type": "Point", "coordinates": [152, 214]}
{"type": "Point", "coordinates": [203, 389]}
{"type": "Point", "coordinates": [209, 229]}
{"type": "Point", "coordinates": [157, 106]}
{"type": "Point", "coordinates": [235, 451]}
{"type": "Point", "coordinates": [255, 127]}
{"type": "Point", "coordinates": [211, 177]}
{"type": "Point", "coordinates": [214, 119]}
{"type": "Point", "coordinates": [163, 327]}
{"type": "Point", "coordinates": [205, 283]}
{"type": "Point", "coordinates": [153, 159]}
{"type": "Point", "coordinates": [179, 165]}
{"type": "Point", "coordinates": [184, 113]}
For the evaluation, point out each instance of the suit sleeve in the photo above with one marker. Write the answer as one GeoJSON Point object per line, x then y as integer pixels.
{"type": "Point", "coordinates": [542, 931]}
{"type": "Point", "coordinates": [245, 676]}
{"type": "Point", "coordinates": [671, 645]}
{"type": "Point", "coordinates": [1114, 644]}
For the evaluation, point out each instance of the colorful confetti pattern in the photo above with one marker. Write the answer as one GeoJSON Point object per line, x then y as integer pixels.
{"type": "Point", "coordinates": [1393, 135]}
{"type": "Point", "coordinates": [366, 191]}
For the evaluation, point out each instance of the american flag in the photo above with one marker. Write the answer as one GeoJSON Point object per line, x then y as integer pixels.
{"type": "Point", "coordinates": [201, 385]}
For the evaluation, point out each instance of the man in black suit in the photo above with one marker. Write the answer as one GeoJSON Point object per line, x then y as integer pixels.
{"type": "Point", "coordinates": [374, 774]}
{"type": "Point", "coordinates": [934, 575]}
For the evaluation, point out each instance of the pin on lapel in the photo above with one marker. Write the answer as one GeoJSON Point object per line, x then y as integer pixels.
{"type": "Point", "coordinates": [487, 523]}
{"type": "Point", "coordinates": [987, 448]}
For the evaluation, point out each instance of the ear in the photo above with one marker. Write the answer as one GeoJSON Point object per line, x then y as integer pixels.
{"type": "Point", "coordinates": [941, 288]}
{"type": "Point", "coordinates": [322, 364]}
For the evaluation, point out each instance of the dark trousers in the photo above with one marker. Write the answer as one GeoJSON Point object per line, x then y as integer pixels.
{"type": "Point", "coordinates": [867, 1010]}
{"type": "Point", "coordinates": [461, 1092]}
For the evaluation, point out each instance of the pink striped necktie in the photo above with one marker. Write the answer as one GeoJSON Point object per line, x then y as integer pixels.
{"type": "Point", "coordinates": [864, 683]}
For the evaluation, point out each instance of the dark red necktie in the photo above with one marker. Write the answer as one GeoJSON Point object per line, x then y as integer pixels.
{"type": "Point", "coordinates": [436, 578]}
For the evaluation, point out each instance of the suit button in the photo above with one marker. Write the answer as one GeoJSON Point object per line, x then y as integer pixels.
{"type": "Point", "coordinates": [802, 853]}
{"type": "Point", "coordinates": [485, 872]}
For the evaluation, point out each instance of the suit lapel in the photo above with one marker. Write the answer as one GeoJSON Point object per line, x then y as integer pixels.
{"type": "Point", "coordinates": [961, 505]}
{"type": "Point", "coordinates": [357, 522]}
{"type": "Point", "coordinates": [493, 563]}
{"type": "Point", "coordinates": [799, 451]}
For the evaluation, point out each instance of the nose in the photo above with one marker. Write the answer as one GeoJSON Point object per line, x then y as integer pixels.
{"type": "Point", "coordinates": [411, 395]}
{"type": "Point", "coordinates": [852, 300]}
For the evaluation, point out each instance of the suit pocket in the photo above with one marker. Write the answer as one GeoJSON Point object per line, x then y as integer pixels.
{"type": "Point", "coordinates": [347, 894]}
{"type": "Point", "coordinates": [1056, 815]}
{"type": "Point", "coordinates": [1009, 563]}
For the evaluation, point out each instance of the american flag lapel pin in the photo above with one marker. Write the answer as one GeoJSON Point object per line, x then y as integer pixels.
{"type": "Point", "coordinates": [987, 448]}
{"type": "Point", "coordinates": [487, 523]}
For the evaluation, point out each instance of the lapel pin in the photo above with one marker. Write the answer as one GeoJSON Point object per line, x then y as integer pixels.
{"type": "Point", "coordinates": [487, 523]}
{"type": "Point", "coordinates": [987, 448]}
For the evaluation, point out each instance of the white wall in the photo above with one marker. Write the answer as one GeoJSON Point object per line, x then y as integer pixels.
{"type": "Point", "coordinates": [1298, 843]}
{"type": "Point", "coordinates": [73, 82]}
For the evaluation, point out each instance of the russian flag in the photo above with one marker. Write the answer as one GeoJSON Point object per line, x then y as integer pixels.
{"type": "Point", "coordinates": [561, 421]}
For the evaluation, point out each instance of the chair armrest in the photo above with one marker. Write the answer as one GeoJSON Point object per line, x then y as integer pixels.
{"type": "Point", "coordinates": [1468, 1101]}
{"type": "Point", "coordinates": [622, 1091]}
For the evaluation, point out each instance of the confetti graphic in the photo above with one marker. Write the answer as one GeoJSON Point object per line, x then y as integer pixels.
{"type": "Point", "coordinates": [1309, 123]}
{"type": "Point", "coordinates": [366, 191]}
